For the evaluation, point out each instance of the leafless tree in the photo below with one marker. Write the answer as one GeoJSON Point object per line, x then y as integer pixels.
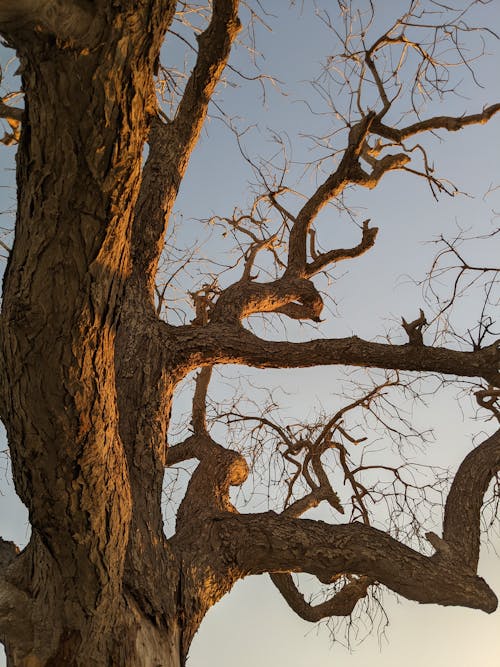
{"type": "Point", "coordinates": [90, 362]}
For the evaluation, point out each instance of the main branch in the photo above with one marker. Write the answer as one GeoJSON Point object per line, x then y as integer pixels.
{"type": "Point", "coordinates": [219, 343]}
{"type": "Point", "coordinates": [286, 545]}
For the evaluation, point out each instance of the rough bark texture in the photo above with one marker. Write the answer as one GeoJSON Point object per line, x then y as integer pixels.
{"type": "Point", "coordinates": [88, 370]}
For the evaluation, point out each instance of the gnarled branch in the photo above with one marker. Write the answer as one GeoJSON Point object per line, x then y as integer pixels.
{"type": "Point", "coordinates": [341, 603]}
{"type": "Point", "coordinates": [282, 545]}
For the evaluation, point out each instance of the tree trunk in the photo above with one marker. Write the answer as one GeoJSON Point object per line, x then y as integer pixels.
{"type": "Point", "coordinates": [44, 628]}
{"type": "Point", "coordinates": [78, 175]}
{"type": "Point", "coordinates": [88, 371]}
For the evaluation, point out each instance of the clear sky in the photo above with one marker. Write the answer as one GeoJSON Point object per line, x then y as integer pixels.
{"type": "Point", "coordinates": [253, 625]}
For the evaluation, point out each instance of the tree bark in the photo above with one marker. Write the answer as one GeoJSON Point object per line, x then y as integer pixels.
{"type": "Point", "coordinates": [86, 388]}
{"type": "Point", "coordinates": [88, 370]}
{"type": "Point", "coordinates": [78, 172]}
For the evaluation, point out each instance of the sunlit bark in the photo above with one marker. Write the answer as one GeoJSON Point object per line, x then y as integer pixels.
{"type": "Point", "coordinates": [88, 370]}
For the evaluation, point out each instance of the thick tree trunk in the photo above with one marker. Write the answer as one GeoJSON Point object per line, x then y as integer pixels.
{"type": "Point", "coordinates": [86, 378]}
{"type": "Point", "coordinates": [78, 175]}
{"type": "Point", "coordinates": [41, 628]}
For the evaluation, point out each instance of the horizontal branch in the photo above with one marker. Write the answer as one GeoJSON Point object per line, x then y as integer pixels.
{"type": "Point", "coordinates": [283, 545]}
{"type": "Point", "coordinates": [222, 344]}
{"type": "Point", "coordinates": [184, 451]}
{"type": "Point", "coordinates": [449, 123]}
{"type": "Point", "coordinates": [13, 114]}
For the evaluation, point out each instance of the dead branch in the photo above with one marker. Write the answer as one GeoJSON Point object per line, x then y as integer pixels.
{"type": "Point", "coordinates": [414, 329]}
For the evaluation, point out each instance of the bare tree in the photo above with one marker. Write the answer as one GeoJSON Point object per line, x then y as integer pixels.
{"type": "Point", "coordinates": [89, 368]}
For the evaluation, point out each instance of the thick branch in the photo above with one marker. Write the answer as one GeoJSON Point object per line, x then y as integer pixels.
{"type": "Point", "coordinates": [184, 451]}
{"type": "Point", "coordinates": [12, 114]}
{"type": "Point", "coordinates": [15, 622]}
{"type": "Point", "coordinates": [208, 489]}
{"type": "Point", "coordinates": [281, 545]}
{"type": "Point", "coordinates": [8, 553]}
{"type": "Point", "coordinates": [285, 545]}
{"type": "Point", "coordinates": [218, 343]}
{"type": "Point", "coordinates": [295, 297]}
{"type": "Point", "coordinates": [461, 528]}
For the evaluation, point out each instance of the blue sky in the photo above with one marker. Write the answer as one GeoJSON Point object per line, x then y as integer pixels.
{"type": "Point", "coordinates": [253, 624]}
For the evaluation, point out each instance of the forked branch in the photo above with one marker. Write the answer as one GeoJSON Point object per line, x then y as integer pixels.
{"type": "Point", "coordinates": [171, 142]}
{"type": "Point", "coordinates": [299, 545]}
{"type": "Point", "coordinates": [282, 545]}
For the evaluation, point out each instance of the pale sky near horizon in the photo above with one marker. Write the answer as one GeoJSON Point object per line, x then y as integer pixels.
{"type": "Point", "coordinates": [253, 625]}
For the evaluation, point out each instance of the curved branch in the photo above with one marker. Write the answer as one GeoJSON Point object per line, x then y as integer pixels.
{"type": "Point", "coordinates": [295, 297]}
{"type": "Point", "coordinates": [332, 187]}
{"type": "Point", "coordinates": [339, 254]}
{"type": "Point", "coordinates": [282, 545]}
{"type": "Point", "coordinates": [184, 451]}
{"type": "Point", "coordinates": [463, 505]}
{"type": "Point", "coordinates": [290, 295]}
{"type": "Point", "coordinates": [208, 489]}
{"type": "Point", "coordinates": [341, 604]}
